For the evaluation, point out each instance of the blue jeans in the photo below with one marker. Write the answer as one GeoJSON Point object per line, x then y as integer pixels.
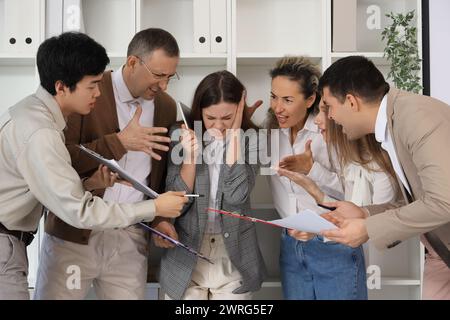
{"type": "Point", "coordinates": [317, 270]}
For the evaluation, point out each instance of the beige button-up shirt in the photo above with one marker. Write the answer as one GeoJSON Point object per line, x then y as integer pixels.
{"type": "Point", "coordinates": [36, 171]}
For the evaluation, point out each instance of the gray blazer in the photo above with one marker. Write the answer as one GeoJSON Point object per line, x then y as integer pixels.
{"type": "Point", "coordinates": [233, 194]}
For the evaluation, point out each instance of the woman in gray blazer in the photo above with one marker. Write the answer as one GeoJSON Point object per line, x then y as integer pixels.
{"type": "Point", "coordinates": [222, 170]}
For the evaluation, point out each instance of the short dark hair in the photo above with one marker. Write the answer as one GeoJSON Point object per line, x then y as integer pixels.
{"type": "Point", "coordinates": [302, 71]}
{"type": "Point", "coordinates": [354, 75]}
{"type": "Point", "coordinates": [146, 41]}
{"type": "Point", "coordinates": [68, 58]}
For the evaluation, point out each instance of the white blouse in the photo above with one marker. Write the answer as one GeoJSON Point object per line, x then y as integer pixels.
{"type": "Point", "coordinates": [288, 197]}
{"type": "Point", "coordinates": [365, 187]}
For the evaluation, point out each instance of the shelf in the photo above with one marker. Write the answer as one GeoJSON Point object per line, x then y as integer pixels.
{"type": "Point", "coordinates": [17, 60]}
{"type": "Point", "coordinates": [186, 59]}
{"type": "Point", "coordinates": [366, 54]}
{"type": "Point", "coordinates": [198, 59]}
{"type": "Point", "coordinates": [395, 281]}
{"type": "Point", "coordinates": [271, 283]}
{"type": "Point", "coordinates": [264, 59]}
{"type": "Point", "coordinates": [117, 59]}
{"type": "Point", "coordinates": [389, 281]}
{"type": "Point", "coordinates": [377, 57]}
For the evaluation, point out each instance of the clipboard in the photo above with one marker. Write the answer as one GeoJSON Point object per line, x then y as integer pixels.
{"type": "Point", "coordinates": [306, 220]}
{"type": "Point", "coordinates": [243, 217]}
{"type": "Point", "coordinates": [175, 242]}
{"type": "Point", "coordinates": [114, 167]}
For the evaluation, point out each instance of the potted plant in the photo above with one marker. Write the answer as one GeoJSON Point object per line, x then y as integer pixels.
{"type": "Point", "coordinates": [402, 52]}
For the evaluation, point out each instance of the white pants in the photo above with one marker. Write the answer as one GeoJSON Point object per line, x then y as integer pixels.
{"type": "Point", "coordinates": [114, 261]}
{"type": "Point", "coordinates": [13, 269]}
{"type": "Point", "coordinates": [214, 281]}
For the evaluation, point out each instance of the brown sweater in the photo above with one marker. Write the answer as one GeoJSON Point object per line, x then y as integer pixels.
{"type": "Point", "coordinates": [98, 131]}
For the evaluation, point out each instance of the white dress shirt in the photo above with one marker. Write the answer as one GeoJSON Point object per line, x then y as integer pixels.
{"type": "Point", "coordinates": [383, 136]}
{"type": "Point", "coordinates": [288, 197]}
{"type": "Point", "coordinates": [136, 163]}
{"type": "Point", "coordinates": [214, 159]}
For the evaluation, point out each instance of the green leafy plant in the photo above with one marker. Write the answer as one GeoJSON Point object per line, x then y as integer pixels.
{"type": "Point", "coordinates": [402, 52]}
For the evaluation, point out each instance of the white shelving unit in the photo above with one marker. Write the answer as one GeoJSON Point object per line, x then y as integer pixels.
{"type": "Point", "coordinates": [17, 57]}
{"type": "Point", "coordinates": [245, 37]}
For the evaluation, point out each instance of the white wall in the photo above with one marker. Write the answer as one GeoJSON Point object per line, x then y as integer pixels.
{"type": "Point", "coordinates": [439, 49]}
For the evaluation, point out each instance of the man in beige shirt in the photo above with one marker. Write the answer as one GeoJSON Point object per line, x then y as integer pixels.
{"type": "Point", "coordinates": [414, 130]}
{"type": "Point", "coordinates": [124, 125]}
{"type": "Point", "coordinates": [35, 165]}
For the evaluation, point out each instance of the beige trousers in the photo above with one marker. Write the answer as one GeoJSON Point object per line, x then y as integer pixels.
{"type": "Point", "coordinates": [13, 269]}
{"type": "Point", "coordinates": [214, 281]}
{"type": "Point", "coordinates": [114, 261]}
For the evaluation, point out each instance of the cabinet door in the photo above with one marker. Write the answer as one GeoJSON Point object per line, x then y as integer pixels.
{"type": "Point", "coordinates": [344, 25]}
{"type": "Point", "coordinates": [21, 25]}
{"type": "Point", "coordinates": [202, 39]}
{"type": "Point", "coordinates": [218, 24]}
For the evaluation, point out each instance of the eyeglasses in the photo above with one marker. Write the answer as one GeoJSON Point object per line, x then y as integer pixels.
{"type": "Point", "coordinates": [157, 76]}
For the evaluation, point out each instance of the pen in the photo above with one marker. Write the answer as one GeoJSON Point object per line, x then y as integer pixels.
{"type": "Point", "coordinates": [194, 195]}
{"type": "Point", "coordinates": [326, 207]}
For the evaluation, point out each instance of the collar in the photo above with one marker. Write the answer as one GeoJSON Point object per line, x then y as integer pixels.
{"type": "Point", "coordinates": [381, 122]}
{"type": "Point", "coordinates": [123, 93]}
{"type": "Point", "coordinates": [309, 126]}
{"type": "Point", "coordinates": [52, 106]}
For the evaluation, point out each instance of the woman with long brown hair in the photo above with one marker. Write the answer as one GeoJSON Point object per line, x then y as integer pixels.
{"type": "Point", "coordinates": [225, 177]}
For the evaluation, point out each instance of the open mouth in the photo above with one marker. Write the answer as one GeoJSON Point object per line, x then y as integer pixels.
{"type": "Point", "coordinates": [282, 119]}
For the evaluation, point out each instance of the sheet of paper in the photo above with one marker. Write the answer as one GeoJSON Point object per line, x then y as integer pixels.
{"type": "Point", "coordinates": [307, 221]}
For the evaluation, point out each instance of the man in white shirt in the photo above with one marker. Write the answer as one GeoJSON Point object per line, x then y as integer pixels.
{"type": "Point", "coordinates": [126, 125]}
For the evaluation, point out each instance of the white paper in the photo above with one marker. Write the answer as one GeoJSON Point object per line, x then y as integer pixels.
{"type": "Point", "coordinates": [307, 221]}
